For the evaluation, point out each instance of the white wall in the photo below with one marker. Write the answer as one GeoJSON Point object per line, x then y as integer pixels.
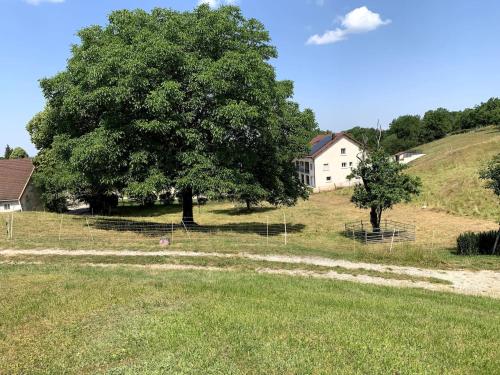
{"type": "Point", "coordinates": [14, 206]}
{"type": "Point", "coordinates": [334, 159]}
{"type": "Point", "coordinates": [407, 159]}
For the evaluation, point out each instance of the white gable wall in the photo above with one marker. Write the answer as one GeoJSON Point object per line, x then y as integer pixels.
{"type": "Point", "coordinates": [10, 206]}
{"type": "Point", "coordinates": [334, 158]}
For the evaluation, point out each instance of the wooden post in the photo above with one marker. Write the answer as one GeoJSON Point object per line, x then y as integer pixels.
{"type": "Point", "coordinates": [60, 227]}
{"type": "Point", "coordinates": [392, 240]}
{"type": "Point", "coordinates": [90, 231]}
{"type": "Point", "coordinates": [187, 232]}
{"type": "Point", "coordinates": [284, 220]}
{"type": "Point", "coordinates": [172, 235]}
{"type": "Point", "coordinates": [496, 241]}
{"type": "Point", "coordinates": [267, 231]}
{"type": "Point", "coordinates": [12, 226]}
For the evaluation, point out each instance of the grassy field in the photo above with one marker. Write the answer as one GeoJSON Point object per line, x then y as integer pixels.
{"type": "Point", "coordinates": [449, 172]}
{"type": "Point", "coordinates": [104, 314]}
{"type": "Point", "coordinates": [69, 319]}
{"type": "Point", "coordinates": [314, 227]}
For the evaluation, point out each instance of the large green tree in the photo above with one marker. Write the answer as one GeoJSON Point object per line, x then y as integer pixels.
{"type": "Point", "coordinates": [436, 124]}
{"type": "Point", "coordinates": [403, 134]}
{"type": "Point", "coordinates": [383, 184]}
{"type": "Point", "coordinates": [167, 99]}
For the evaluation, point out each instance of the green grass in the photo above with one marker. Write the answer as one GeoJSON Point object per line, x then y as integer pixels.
{"type": "Point", "coordinates": [233, 264]}
{"type": "Point", "coordinates": [70, 319]}
{"type": "Point", "coordinates": [314, 228]}
{"type": "Point", "coordinates": [450, 173]}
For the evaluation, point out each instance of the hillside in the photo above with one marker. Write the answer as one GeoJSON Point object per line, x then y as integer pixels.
{"type": "Point", "coordinates": [449, 173]}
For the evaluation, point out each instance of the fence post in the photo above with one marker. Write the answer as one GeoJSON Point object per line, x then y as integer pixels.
{"type": "Point", "coordinates": [366, 237]}
{"type": "Point", "coordinates": [284, 220]}
{"type": "Point", "coordinates": [90, 231]}
{"type": "Point", "coordinates": [60, 227]}
{"type": "Point", "coordinates": [392, 240]}
{"type": "Point", "coordinates": [267, 230]}
{"type": "Point", "coordinates": [12, 226]}
{"type": "Point", "coordinates": [172, 234]}
{"type": "Point", "coordinates": [187, 232]}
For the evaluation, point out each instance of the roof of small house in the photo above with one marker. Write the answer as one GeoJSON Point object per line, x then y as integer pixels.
{"type": "Point", "coordinates": [320, 145]}
{"type": "Point", "coordinates": [413, 152]}
{"type": "Point", "coordinates": [14, 176]}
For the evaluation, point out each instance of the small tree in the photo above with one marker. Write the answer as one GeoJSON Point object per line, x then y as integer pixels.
{"type": "Point", "coordinates": [491, 173]}
{"type": "Point", "coordinates": [7, 152]}
{"type": "Point", "coordinates": [383, 185]}
{"type": "Point", "coordinates": [18, 153]}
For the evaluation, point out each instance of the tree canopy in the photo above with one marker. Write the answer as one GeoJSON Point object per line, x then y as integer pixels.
{"type": "Point", "coordinates": [382, 184]}
{"type": "Point", "coordinates": [408, 131]}
{"type": "Point", "coordinates": [18, 153]}
{"type": "Point", "coordinates": [491, 173]}
{"type": "Point", "coordinates": [166, 99]}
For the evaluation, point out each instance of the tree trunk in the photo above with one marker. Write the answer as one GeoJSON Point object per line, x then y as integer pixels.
{"type": "Point", "coordinates": [375, 216]}
{"type": "Point", "coordinates": [187, 206]}
{"type": "Point", "coordinates": [248, 205]}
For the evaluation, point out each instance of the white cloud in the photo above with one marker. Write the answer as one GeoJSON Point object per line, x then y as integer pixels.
{"type": "Point", "coordinates": [359, 20]}
{"type": "Point", "coordinates": [217, 3]}
{"type": "Point", "coordinates": [38, 2]}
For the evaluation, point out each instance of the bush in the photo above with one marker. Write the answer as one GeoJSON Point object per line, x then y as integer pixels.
{"type": "Point", "coordinates": [470, 243]}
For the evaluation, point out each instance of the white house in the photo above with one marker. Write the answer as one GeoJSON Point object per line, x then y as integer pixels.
{"type": "Point", "coordinates": [329, 162]}
{"type": "Point", "coordinates": [404, 157]}
{"type": "Point", "coordinates": [17, 192]}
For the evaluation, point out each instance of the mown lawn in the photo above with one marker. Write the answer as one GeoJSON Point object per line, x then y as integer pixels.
{"type": "Point", "coordinates": [69, 319]}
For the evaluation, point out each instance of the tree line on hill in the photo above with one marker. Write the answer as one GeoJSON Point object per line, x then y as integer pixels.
{"type": "Point", "coordinates": [408, 131]}
{"type": "Point", "coordinates": [14, 153]}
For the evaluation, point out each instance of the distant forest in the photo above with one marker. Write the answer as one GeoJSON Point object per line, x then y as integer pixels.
{"type": "Point", "coordinates": [408, 131]}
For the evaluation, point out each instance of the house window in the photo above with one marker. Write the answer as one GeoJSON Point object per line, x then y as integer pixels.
{"type": "Point", "coordinates": [326, 167]}
{"type": "Point", "coordinates": [329, 179]}
{"type": "Point", "coordinates": [350, 164]}
{"type": "Point", "coordinates": [307, 180]}
{"type": "Point", "coordinates": [344, 165]}
{"type": "Point", "coordinates": [302, 178]}
{"type": "Point", "coordinates": [342, 151]}
{"type": "Point", "coordinates": [6, 206]}
{"type": "Point", "coordinates": [307, 167]}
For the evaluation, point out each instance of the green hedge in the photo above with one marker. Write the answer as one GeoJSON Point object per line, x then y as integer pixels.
{"type": "Point", "coordinates": [470, 243]}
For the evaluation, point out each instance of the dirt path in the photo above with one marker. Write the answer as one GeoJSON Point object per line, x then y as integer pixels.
{"type": "Point", "coordinates": [485, 283]}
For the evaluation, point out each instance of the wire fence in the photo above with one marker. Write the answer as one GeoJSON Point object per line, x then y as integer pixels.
{"type": "Point", "coordinates": [389, 231]}
{"type": "Point", "coordinates": [300, 234]}
{"type": "Point", "coordinates": [50, 230]}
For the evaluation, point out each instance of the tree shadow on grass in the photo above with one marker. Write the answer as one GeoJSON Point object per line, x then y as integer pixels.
{"type": "Point", "coordinates": [151, 229]}
{"type": "Point", "coordinates": [239, 211]}
{"type": "Point", "coordinates": [141, 211]}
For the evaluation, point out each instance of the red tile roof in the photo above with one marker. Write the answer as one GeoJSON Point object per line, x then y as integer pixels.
{"type": "Point", "coordinates": [14, 176]}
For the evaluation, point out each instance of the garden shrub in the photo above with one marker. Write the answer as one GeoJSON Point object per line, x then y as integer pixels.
{"type": "Point", "coordinates": [470, 243]}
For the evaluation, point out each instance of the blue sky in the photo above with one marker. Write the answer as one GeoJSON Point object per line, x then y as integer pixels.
{"type": "Point", "coordinates": [352, 62]}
